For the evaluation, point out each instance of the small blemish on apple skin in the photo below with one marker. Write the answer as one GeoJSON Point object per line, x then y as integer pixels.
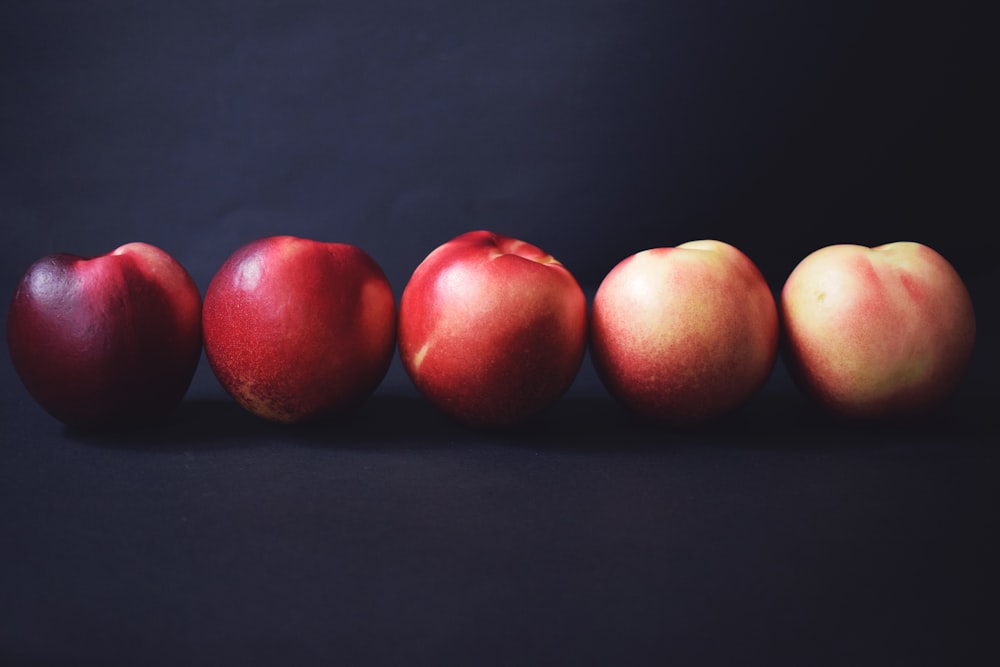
{"type": "Point", "coordinates": [418, 358]}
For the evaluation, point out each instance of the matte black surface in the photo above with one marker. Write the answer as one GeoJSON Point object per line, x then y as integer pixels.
{"type": "Point", "coordinates": [775, 537]}
{"type": "Point", "coordinates": [593, 129]}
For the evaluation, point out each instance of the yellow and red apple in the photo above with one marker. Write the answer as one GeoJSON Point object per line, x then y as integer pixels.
{"type": "Point", "coordinates": [877, 332]}
{"type": "Point", "coordinates": [298, 329]}
{"type": "Point", "coordinates": [106, 341]}
{"type": "Point", "coordinates": [683, 335]}
{"type": "Point", "coordinates": [492, 330]}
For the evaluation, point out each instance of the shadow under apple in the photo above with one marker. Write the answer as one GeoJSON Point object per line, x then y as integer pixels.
{"type": "Point", "coordinates": [777, 419]}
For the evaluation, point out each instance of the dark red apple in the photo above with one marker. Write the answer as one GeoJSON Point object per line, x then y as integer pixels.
{"type": "Point", "coordinates": [106, 341]}
{"type": "Point", "coordinates": [297, 329]}
{"type": "Point", "coordinates": [492, 329]}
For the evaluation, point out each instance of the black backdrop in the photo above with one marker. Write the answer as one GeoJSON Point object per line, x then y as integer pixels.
{"type": "Point", "coordinates": [592, 128]}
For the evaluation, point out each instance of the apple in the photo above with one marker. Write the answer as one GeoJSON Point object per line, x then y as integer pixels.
{"type": "Point", "coordinates": [492, 330]}
{"type": "Point", "coordinates": [684, 335]}
{"type": "Point", "coordinates": [298, 329]}
{"type": "Point", "coordinates": [106, 341]}
{"type": "Point", "coordinates": [880, 332]}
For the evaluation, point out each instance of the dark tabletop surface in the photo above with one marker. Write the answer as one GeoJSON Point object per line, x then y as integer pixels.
{"type": "Point", "coordinates": [773, 537]}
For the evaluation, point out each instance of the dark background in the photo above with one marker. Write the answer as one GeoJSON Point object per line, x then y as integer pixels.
{"type": "Point", "coordinates": [593, 129]}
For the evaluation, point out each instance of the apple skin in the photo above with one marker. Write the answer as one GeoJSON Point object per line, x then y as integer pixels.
{"type": "Point", "coordinates": [299, 330]}
{"type": "Point", "coordinates": [492, 330]}
{"type": "Point", "coordinates": [684, 335]}
{"type": "Point", "coordinates": [107, 341]}
{"type": "Point", "coordinates": [877, 333]}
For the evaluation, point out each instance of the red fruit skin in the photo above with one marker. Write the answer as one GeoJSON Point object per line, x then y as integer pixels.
{"type": "Point", "coordinates": [112, 340]}
{"type": "Point", "coordinates": [299, 330]}
{"type": "Point", "coordinates": [492, 330]}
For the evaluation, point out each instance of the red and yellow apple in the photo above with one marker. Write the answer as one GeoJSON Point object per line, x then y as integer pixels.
{"type": "Point", "coordinates": [684, 335]}
{"type": "Point", "coordinates": [106, 341]}
{"type": "Point", "coordinates": [297, 329]}
{"type": "Point", "coordinates": [492, 330]}
{"type": "Point", "coordinates": [877, 332]}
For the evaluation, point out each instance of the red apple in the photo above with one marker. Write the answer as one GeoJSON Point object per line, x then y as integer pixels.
{"type": "Point", "coordinates": [106, 341]}
{"type": "Point", "coordinates": [492, 330]}
{"type": "Point", "coordinates": [297, 329]}
{"type": "Point", "coordinates": [684, 335]}
{"type": "Point", "coordinates": [877, 332]}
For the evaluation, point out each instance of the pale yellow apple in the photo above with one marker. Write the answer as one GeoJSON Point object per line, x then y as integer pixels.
{"type": "Point", "coordinates": [877, 332]}
{"type": "Point", "coordinates": [686, 334]}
